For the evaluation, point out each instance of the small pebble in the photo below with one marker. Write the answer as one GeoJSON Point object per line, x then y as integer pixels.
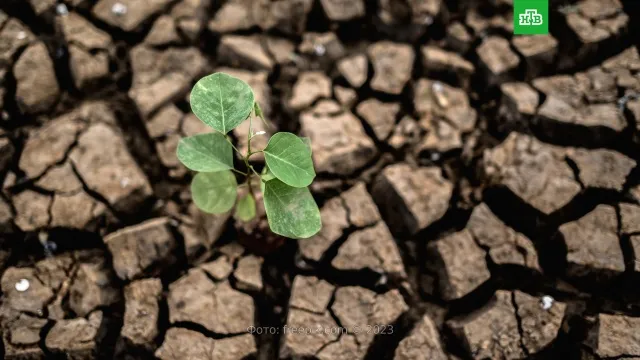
{"type": "Point", "coordinates": [124, 182]}
{"type": "Point", "coordinates": [62, 9]}
{"type": "Point", "coordinates": [21, 35]}
{"type": "Point", "coordinates": [260, 133]}
{"type": "Point", "coordinates": [320, 50]}
{"type": "Point", "coordinates": [546, 302]}
{"type": "Point", "coordinates": [437, 87]}
{"type": "Point", "coordinates": [382, 280]}
{"type": "Point", "coordinates": [435, 156]}
{"type": "Point", "coordinates": [119, 9]}
{"type": "Point", "coordinates": [22, 285]}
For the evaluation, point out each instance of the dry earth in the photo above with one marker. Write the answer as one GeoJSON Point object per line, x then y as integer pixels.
{"type": "Point", "coordinates": [479, 191]}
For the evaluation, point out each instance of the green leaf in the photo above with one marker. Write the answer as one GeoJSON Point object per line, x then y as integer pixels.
{"type": "Point", "coordinates": [307, 141]}
{"type": "Point", "coordinates": [289, 159]}
{"type": "Point", "coordinates": [222, 101]}
{"type": "Point", "coordinates": [291, 211]}
{"type": "Point", "coordinates": [246, 208]}
{"type": "Point", "coordinates": [209, 152]}
{"type": "Point", "coordinates": [214, 193]}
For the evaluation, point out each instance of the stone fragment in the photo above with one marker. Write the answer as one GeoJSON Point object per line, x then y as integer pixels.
{"type": "Point", "coordinates": [41, 6]}
{"type": "Point", "coordinates": [94, 285]}
{"type": "Point", "coordinates": [435, 100]}
{"type": "Point", "coordinates": [635, 250]}
{"type": "Point", "coordinates": [345, 347]}
{"type": "Point", "coordinates": [307, 333]}
{"type": "Point", "coordinates": [338, 141]}
{"type": "Point", "coordinates": [538, 51]}
{"type": "Point", "coordinates": [102, 160]}
{"type": "Point", "coordinates": [150, 98]}
{"type": "Point", "coordinates": [372, 248]}
{"type": "Point", "coordinates": [142, 310]}
{"type": "Point", "coordinates": [423, 343]}
{"type": "Point", "coordinates": [535, 172]}
{"type": "Point", "coordinates": [325, 48]}
{"type": "Point", "coordinates": [355, 69]}
{"type": "Point", "coordinates": [437, 60]}
{"type": "Point", "coordinates": [540, 326]}
{"type": "Point", "coordinates": [497, 59]}
{"type": "Point", "coordinates": [289, 17]}
{"type": "Point", "coordinates": [160, 76]}
{"type": "Point", "coordinates": [37, 87]}
{"type": "Point", "coordinates": [49, 145]}
{"type": "Point", "coordinates": [406, 134]}
{"type": "Point", "coordinates": [519, 102]}
{"type": "Point", "coordinates": [356, 308]}
{"type": "Point", "coordinates": [86, 68]}
{"type": "Point", "coordinates": [343, 10]}
{"type": "Point", "coordinates": [165, 122]}
{"type": "Point", "coordinates": [6, 216]}
{"type": "Point", "coordinates": [79, 31]}
{"type": "Point", "coordinates": [282, 49]}
{"type": "Point", "coordinates": [334, 222]}
{"type": "Point", "coordinates": [60, 179]}
{"type": "Point", "coordinates": [141, 249]}
{"type": "Point", "coordinates": [347, 97]}
{"type": "Point", "coordinates": [418, 196]}
{"type": "Point", "coordinates": [14, 35]}
{"type": "Point", "coordinates": [22, 338]}
{"type": "Point", "coordinates": [128, 15]}
{"type": "Point", "coordinates": [492, 331]}
{"type": "Point", "coordinates": [602, 85]}
{"type": "Point", "coordinates": [6, 152]}
{"type": "Point", "coordinates": [483, 25]}
{"type": "Point", "coordinates": [32, 210]}
{"type": "Point", "coordinates": [244, 52]}
{"type": "Point", "coordinates": [310, 87]}
{"type": "Point", "coordinates": [206, 229]}
{"type": "Point", "coordinates": [613, 336]}
{"type": "Point", "coordinates": [76, 338]}
{"type": "Point", "coordinates": [601, 168]}
{"type": "Point", "coordinates": [458, 37]}
{"type": "Point", "coordinates": [392, 66]}
{"type": "Point", "coordinates": [460, 264]}
{"type": "Point", "coordinates": [149, 65]}
{"type": "Point", "coordinates": [361, 209]}
{"type": "Point", "coordinates": [380, 116]}
{"type": "Point", "coordinates": [310, 294]}
{"type": "Point", "coordinates": [506, 246]}
{"type": "Point", "coordinates": [181, 344]}
{"type": "Point", "coordinates": [601, 122]}
{"type": "Point", "coordinates": [33, 300]}
{"type": "Point", "coordinates": [248, 273]}
{"type": "Point", "coordinates": [629, 218]}
{"type": "Point", "coordinates": [234, 15]}
{"type": "Point", "coordinates": [189, 17]}
{"type": "Point", "coordinates": [567, 88]}
{"type": "Point", "coordinates": [219, 268]}
{"type": "Point", "coordinates": [592, 243]}
{"type": "Point", "coordinates": [216, 306]}
{"type": "Point", "coordinates": [163, 32]}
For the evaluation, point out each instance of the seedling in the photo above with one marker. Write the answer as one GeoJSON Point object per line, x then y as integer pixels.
{"type": "Point", "coordinates": [223, 102]}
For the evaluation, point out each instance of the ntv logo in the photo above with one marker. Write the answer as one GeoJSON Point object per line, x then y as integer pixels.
{"type": "Point", "coordinates": [530, 18]}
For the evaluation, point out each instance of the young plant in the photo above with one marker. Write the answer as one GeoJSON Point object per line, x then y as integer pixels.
{"type": "Point", "coordinates": [223, 102]}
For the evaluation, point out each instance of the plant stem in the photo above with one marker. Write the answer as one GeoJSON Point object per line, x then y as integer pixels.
{"type": "Point", "coordinates": [240, 172]}
{"type": "Point", "coordinates": [246, 158]}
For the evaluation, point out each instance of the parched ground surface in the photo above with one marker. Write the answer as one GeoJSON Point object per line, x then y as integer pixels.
{"type": "Point", "coordinates": [479, 191]}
